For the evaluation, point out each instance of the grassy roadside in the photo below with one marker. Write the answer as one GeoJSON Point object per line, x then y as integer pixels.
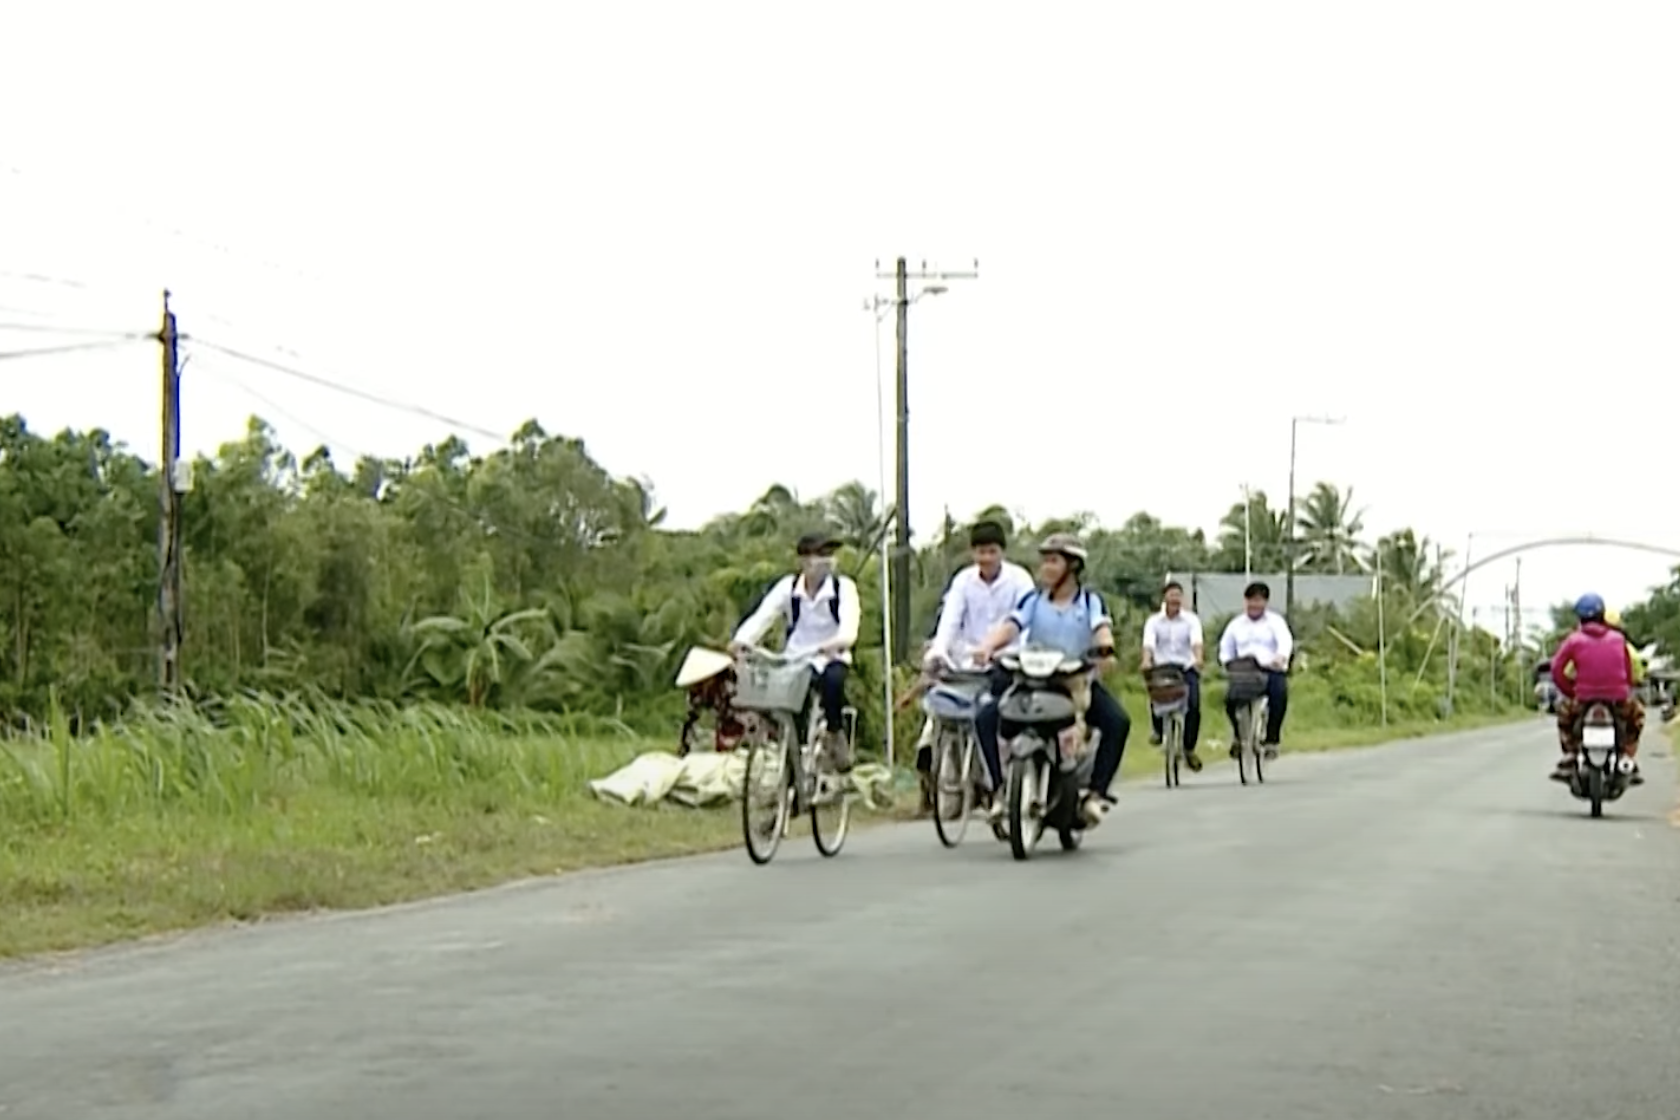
{"type": "Point", "coordinates": [177, 821]}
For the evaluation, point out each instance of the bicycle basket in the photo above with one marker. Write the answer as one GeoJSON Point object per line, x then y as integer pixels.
{"type": "Point", "coordinates": [772, 688]}
{"type": "Point", "coordinates": [1245, 681]}
{"type": "Point", "coordinates": [952, 703]}
{"type": "Point", "coordinates": [1166, 684]}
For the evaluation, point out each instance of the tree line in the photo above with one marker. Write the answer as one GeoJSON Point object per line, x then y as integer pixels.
{"type": "Point", "coordinates": [529, 577]}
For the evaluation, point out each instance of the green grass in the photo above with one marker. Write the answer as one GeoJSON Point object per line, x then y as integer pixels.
{"type": "Point", "coordinates": [181, 818]}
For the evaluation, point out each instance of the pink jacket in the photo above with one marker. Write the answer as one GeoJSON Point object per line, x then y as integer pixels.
{"type": "Point", "coordinates": [1603, 670]}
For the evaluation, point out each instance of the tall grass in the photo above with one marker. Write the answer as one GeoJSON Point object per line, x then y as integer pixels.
{"type": "Point", "coordinates": [253, 752]}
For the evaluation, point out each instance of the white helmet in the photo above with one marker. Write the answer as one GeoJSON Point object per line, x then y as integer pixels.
{"type": "Point", "coordinates": [1065, 544]}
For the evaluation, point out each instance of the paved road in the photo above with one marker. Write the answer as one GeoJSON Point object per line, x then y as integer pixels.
{"type": "Point", "coordinates": [1423, 930]}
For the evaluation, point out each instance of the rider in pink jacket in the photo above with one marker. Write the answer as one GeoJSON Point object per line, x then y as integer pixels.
{"type": "Point", "coordinates": [1603, 671]}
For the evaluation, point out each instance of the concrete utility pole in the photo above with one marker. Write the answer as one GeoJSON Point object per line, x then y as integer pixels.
{"type": "Point", "coordinates": [1291, 545]}
{"type": "Point", "coordinates": [901, 275]}
{"type": "Point", "coordinates": [169, 499]}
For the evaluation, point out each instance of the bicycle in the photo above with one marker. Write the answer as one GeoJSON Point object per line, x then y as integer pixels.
{"type": "Point", "coordinates": [1246, 684]}
{"type": "Point", "coordinates": [1169, 699]}
{"type": "Point", "coordinates": [952, 701]}
{"type": "Point", "coordinates": [797, 777]}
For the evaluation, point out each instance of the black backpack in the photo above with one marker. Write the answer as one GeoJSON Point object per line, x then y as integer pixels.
{"type": "Point", "coordinates": [793, 604]}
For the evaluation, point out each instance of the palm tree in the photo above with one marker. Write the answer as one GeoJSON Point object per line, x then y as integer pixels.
{"type": "Point", "coordinates": [853, 512]}
{"type": "Point", "coordinates": [1265, 528]}
{"type": "Point", "coordinates": [1328, 529]}
{"type": "Point", "coordinates": [1410, 566]}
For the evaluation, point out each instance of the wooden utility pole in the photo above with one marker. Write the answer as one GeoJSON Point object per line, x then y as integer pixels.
{"type": "Point", "coordinates": [169, 498]}
{"type": "Point", "coordinates": [901, 276]}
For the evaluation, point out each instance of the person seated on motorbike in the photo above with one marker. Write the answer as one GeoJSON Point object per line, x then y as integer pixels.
{"type": "Point", "coordinates": [1594, 664]}
{"type": "Point", "coordinates": [1613, 619]}
{"type": "Point", "coordinates": [978, 598]}
{"type": "Point", "coordinates": [820, 609]}
{"type": "Point", "coordinates": [1174, 637]}
{"type": "Point", "coordinates": [1263, 634]}
{"type": "Point", "coordinates": [1061, 614]}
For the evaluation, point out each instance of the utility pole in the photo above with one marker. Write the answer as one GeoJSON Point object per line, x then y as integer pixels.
{"type": "Point", "coordinates": [901, 276]}
{"type": "Point", "coordinates": [1458, 624]}
{"type": "Point", "coordinates": [169, 497]}
{"type": "Point", "coordinates": [1452, 635]}
{"type": "Point", "coordinates": [1291, 545]}
{"type": "Point", "coordinates": [1516, 604]}
{"type": "Point", "coordinates": [1289, 541]}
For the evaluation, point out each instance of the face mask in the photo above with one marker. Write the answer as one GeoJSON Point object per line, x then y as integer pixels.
{"type": "Point", "coordinates": [819, 567]}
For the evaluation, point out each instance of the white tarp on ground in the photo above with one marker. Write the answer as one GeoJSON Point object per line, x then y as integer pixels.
{"type": "Point", "coordinates": [709, 778]}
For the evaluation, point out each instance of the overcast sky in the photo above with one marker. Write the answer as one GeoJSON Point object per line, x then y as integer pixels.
{"type": "Point", "coordinates": [653, 225]}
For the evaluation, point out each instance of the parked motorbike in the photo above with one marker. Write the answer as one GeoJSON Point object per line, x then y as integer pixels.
{"type": "Point", "coordinates": [1603, 769]}
{"type": "Point", "coordinates": [1047, 766]}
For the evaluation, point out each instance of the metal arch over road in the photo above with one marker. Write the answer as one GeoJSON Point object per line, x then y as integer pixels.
{"type": "Point", "coordinates": [1517, 550]}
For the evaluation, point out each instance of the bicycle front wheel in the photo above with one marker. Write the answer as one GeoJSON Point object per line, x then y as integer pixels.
{"type": "Point", "coordinates": [831, 803]}
{"type": "Point", "coordinates": [766, 795]}
{"type": "Point", "coordinates": [1246, 751]}
{"type": "Point", "coordinates": [952, 779]}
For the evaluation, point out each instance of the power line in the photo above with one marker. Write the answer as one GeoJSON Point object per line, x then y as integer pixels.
{"type": "Point", "coordinates": [73, 347]}
{"type": "Point", "coordinates": [347, 390]}
{"type": "Point", "coordinates": [479, 517]}
{"type": "Point", "coordinates": [278, 409]}
{"type": "Point", "coordinates": [49, 328]}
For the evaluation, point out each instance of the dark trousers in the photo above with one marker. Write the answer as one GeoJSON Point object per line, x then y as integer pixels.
{"type": "Point", "coordinates": [1105, 716]}
{"type": "Point", "coordinates": [1192, 711]}
{"type": "Point", "coordinates": [1277, 704]}
{"type": "Point", "coordinates": [830, 687]}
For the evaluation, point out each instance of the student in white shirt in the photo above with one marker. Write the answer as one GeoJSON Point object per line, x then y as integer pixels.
{"type": "Point", "coordinates": [1174, 637]}
{"type": "Point", "coordinates": [821, 610]}
{"type": "Point", "coordinates": [1262, 634]}
{"type": "Point", "coordinates": [978, 598]}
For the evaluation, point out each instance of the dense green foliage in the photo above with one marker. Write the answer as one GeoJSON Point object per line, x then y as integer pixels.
{"type": "Point", "coordinates": [530, 578]}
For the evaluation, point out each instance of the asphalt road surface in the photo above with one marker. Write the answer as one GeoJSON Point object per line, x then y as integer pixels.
{"type": "Point", "coordinates": [1428, 929]}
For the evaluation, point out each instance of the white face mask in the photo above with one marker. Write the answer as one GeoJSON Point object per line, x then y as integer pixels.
{"type": "Point", "coordinates": [819, 567]}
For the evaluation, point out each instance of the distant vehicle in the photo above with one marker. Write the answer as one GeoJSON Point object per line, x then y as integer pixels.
{"type": "Point", "coordinates": [1545, 692]}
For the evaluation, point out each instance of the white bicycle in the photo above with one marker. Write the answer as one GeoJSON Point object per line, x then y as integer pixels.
{"type": "Point", "coordinates": [785, 777]}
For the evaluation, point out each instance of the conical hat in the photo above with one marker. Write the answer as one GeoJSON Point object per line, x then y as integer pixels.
{"type": "Point", "coordinates": [701, 664]}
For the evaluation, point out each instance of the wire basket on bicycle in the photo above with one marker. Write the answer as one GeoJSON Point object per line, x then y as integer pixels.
{"type": "Point", "coordinates": [1245, 680]}
{"type": "Point", "coordinates": [1166, 685]}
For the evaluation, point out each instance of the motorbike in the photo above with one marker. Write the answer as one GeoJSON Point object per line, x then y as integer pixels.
{"type": "Point", "coordinates": [1046, 767]}
{"type": "Point", "coordinates": [1602, 769]}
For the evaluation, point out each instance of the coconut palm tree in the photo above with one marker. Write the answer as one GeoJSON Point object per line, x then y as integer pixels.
{"type": "Point", "coordinates": [1328, 529]}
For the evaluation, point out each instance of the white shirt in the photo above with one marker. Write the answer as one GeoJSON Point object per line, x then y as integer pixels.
{"type": "Point", "coordinates": [1266, 639]}
{"type": "Point", "coordinates": [1171, 641]}
{"type": "Point", "coordinates": [972, 608]}
{"type": "Point", "coordinates": [816, 627]}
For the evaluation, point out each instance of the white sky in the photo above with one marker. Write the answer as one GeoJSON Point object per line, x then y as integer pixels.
{"type": "Point", "coordinates": [653, 225]}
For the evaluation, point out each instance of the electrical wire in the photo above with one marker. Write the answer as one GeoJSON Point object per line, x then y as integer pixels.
{"type": "Point", "coordinates": [347, 390]}
{"type": "Point", "coordinates": [277, 408]}
{"type": "Point", "coordinates": [489, 526]}
{"type": "Point", "coordinates": [49, 328]}
{"type": "Point", "coordinates": [73, 347]}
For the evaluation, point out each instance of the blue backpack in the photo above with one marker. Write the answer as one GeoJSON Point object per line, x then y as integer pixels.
{"type": "Point", "coordinates": [794, 601]}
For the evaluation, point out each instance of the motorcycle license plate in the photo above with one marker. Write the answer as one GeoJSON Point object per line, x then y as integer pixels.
{"type": "Point", "coordinates": [1598, 736]}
